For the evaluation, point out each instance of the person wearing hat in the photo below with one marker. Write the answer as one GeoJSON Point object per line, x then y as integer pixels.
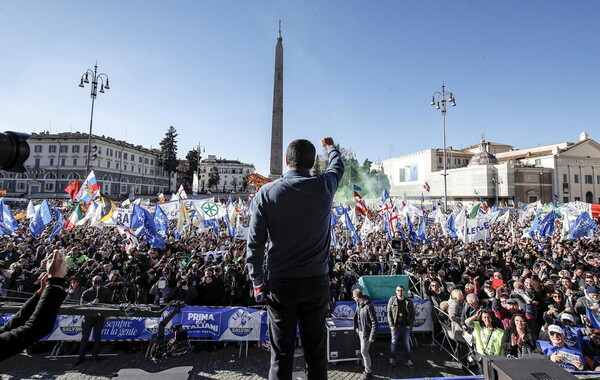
{"type": "Point", "coordinates": [557, 350]}
{"type": "Point", "coordinates": [590, 300]}
{"type": "Point", "coordinates": [504, 308]}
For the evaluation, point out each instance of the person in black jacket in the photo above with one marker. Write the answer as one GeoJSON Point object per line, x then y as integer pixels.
{"type": "Point", "coordinates": [37, 316]}
{"type": "Point", "coordinates": [365, 324]}
{"type": "Point", "coordinates": [95, 295]}
{"type": "Point", "coordinates": [401, 318]}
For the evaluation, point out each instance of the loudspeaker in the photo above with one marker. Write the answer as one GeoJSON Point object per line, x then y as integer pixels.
{"type": "Point", "coordinates": [529, 367]}
{"type": "Point", "coordinates": [342, 340]}
{"type": "Point", "coordinates": [176, 373]}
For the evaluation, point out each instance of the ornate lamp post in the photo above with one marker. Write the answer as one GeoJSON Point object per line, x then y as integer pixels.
{"type": "Point", "coordinates": [95, 79]}
{"type": "Point", "coordinates": [439, 100]}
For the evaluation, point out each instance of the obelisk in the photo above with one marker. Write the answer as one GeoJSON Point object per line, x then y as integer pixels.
{"type": "Point", "coordinates": [277, 122]}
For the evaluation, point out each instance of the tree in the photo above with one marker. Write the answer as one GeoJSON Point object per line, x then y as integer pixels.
{"type": "Point", "coordinates": [213, 177]}
{"type": "Point", "coordinates": [192, 158]}
{"type": "Point", "coordinates": [245, 182]}
{"type": "Point", "coordinates": [234, 182]}
{"type": "Point", "coordinates": [317, 167]}
{"type": "Point", "coordinates": [168, 152]}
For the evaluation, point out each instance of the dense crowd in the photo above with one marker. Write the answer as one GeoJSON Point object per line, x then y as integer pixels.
{"type": "Point", "coordinates": [506, 292]}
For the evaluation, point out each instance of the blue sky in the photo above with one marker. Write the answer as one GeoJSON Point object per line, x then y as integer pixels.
{"type": "Point", "coordinates": [523, 72]}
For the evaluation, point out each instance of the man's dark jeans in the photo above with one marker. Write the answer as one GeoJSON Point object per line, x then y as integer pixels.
{"type": "Point", "coordinates": [301, 301]}
{"type": "Point", "coordinates": [88, 324]}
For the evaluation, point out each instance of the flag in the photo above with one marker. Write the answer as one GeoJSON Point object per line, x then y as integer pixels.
{"type": "Point", "coordinates": [141, 219]}
{"type": "Point", "coordinates": [128, 233]}
{"type": "Point", "coordinates": [31, 210]}
{"type": "Point", "coordinates": [76, 216]}
{"type": "Point", "coordinates": [7, 220]}
{"type": "Point", "coordinates": [476, 229]}
{"type": "Point", "coordinates": [73, 189]}
{"type": "Point", "coordinates": [357, 188]}
{"type": "Point", "coordinates": [89, 189]}
{"type": "Point", "coordinates": [474, 211]}
{"type": "Point", "coordinates": [412, 235]}
{"type": "Point", "coordinates": [348, 222]}
{"type": "Point", "coordinates": [230, 227]}
{"type": "Point", "coordinates": [183, 218]}
{"type": "Point", "coordinates": [582, 225]}
{"type": "Point", "coordinates": [451, 227]}
{"type": "Point", "coordinates": [58, 225]}
{"type": "Point", "coordinates": [421, 232]}
{"type": "Point", "coordinates": [181, 193]}
{"type": "Point", "coordinates": [426, 186]}
{"type": "Point", "coordinates": [385, 196]}
{"type": "Point", "coordinates": [195, 183]}
{"type": "Point", "coordinates": [42, 217]}
{"type": "Point", "coordinates": [90, 181]}
{"type": "Point", "coordinates": [161, 221]}
{"type": "Point", "coordinates": [546, 226]}
{"type": "Point", "coordinates": [161, 198]}
{"type": "Point", "coordinates": [107, 208]}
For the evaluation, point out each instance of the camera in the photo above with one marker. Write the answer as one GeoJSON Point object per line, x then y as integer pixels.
{"type": "Point", "coordinates": [14, 151]}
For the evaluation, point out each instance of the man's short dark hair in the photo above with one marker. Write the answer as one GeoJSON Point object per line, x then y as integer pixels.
{"type": "Point", "coordinates": [300, 154]}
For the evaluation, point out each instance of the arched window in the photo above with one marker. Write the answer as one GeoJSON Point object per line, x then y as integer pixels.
{"type": "Point", "coordinates": [533, 196]}
{"type": "Point", "coordinates": [107, 177]}
{"type": "Point", "coordinates": [50, 176]}
{"type": "Point", "coordinates": [589, 197]}
{"type": "Point", "coordinates": [2, 175]}
{"type": "Point", "coordinates": [22, 176]}
{"type": "Point", "coordinates": [73, 175]}
{"type": "Point", "coordinates": [124, 180]}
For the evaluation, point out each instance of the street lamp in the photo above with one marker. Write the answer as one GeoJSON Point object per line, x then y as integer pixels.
{"type": "Point", "coordinates": [439, 100]}
{"type": "Point", "coordinates": [95, 78]}
{"type": "Point", "coordinates": [497, 181]}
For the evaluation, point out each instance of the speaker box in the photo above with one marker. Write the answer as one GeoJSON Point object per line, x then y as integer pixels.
{"type": "Point", "coordinates": [176, 373]}
{"type": "Point", "coordinates": [529, 367]}
{"type": "Point", "coordinates": [342, 340]}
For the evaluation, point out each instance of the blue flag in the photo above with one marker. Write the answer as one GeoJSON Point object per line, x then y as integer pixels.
{"type": "Point", "coordinates": [147, 228]}
{"type": "Point", "coordinates": [546, 226]}
{"type": "Point", "coordinates": [161, 220]}
{"type": "Point", "coordinates": [42, 217]}
{"type": "Point", "coordinates": [212, 223]}
{"type": "Point", "coordinates": [451, 227]}
{"type": "Point", "coordinates": [412, 236]}
{"type": "Point", "coordinates": [535, 225]}
{"type": "Point", "coordinates": [349, 225]}
{"type": "Point", "coordinates": [230, 227]}
{"type": "Point", "coordinates": [385, 196]}
{"type": "Point", "coordinates": [421, 232]}
{"type": "Point", "coordinates": [58, 225]}
{"type": "Point", "coordinates": [582, 225]}
{"type": "Point", "coordinates": [7, 220]}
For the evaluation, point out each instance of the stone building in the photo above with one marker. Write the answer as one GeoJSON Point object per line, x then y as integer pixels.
{"type": "Point", "coordinates": [55, 160]}
{"type": "Point", "coordinates": [231, 174]}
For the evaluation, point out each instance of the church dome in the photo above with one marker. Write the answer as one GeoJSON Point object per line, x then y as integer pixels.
{"type": "Point", "coordinates": [483, 157]}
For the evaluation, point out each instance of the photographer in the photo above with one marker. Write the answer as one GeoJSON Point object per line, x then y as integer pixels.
{"type": "Point", "coordinates": [37, 316]}
{"type": "Point", "coordinates": [183, 291]}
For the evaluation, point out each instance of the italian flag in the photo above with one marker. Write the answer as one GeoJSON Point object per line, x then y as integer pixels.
{"type": "Point", "coordinates": [75, 217]}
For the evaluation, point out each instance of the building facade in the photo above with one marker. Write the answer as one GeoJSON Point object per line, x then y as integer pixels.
{"type": "Point", "coordinates": [499, 173]}
{"type": "Point", "coordinates": [55, 160]}
{"type": "Point", "coordinates": [231, 174]}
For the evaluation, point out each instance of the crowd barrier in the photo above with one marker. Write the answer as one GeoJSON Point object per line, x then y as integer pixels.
{"type": "Point", "coordinates": [221, 324]}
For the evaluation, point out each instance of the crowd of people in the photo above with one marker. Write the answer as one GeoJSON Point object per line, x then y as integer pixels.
{"type": "Point", "coordinates": [508, 292]}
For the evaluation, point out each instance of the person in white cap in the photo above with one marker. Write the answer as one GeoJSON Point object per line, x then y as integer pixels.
{"type": "Point", "coordinates": [558, 352]}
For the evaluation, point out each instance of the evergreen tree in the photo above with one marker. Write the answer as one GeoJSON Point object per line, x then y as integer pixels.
{"type": "Point", "coordinates": [192, 158]}
{"type": "Point", "coordinates": [213, 178]}
{"type": "Point", "coordinates": [168, 151]}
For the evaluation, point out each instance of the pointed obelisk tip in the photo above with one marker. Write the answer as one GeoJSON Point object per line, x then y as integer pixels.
{"type": "Point", "coordinates": [279, 34]}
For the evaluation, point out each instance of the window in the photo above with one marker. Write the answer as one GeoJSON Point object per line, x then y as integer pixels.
{"type": "Point", "coordinates": [118, 154]}
{"type": "Point", "coordinates": [64, 149]}
{"type": "Point", "coordinates": [99, 150]}
{"type": "Point", "coordinates": [116, 165]}
{"type": "Point", "coordinates": [140, 159]}
{"type": "Point", "coordinates": [85, 149]}
{"type": "Point", "coordinates": [99, 163]}
{"type": "Point", "coordinates": [125, 155]}
{"type": "Point", "coordinates": [439, 160]}
{"type": "Point", "coordinates": [75, 149]}
{"type": "Point", "coordinates": [576, 178]}
{"type": "Point", "coordinates": [21, 186]}
{"type": "Point", "coordinates": [151, 171]}
{"type": "Point", "coordinates": [108, 164]}
{"type": "Point", "coordinates": [52, 162]}
{"type": "Point", "coordinates": [132, 168]}
{"type": "Point", "coordinates": [577, 199]}
{"type": "Point", "coordinates": [565, 199]}
{"type": "Point", "coordinates": [565, 179]}
{"type": "Point", "coordinates": [152, 163]}
{"type": "Point", "coordinates": [37, 163]}
{"type": "Point", "coordinates": [37, 149]}
{"type": "Point", "coordinates": [52, 149]}
{"type": "Point", "coordinates": [146, 160]}
{"type": "Point", "coordinates": [598, 180]}
{"type": "Point", "coordinates": [139, 169]}
{"type": "Point", "coordinates": [589, 179]}
{"type": "Point", "coordinates": [133, 157]}
{"type": "Point", "coordinates": [74, 162]}
{"type": "Point", "coordinates": [62, 162]}
{"type": "Point", "coordinates": [49, 186]}
{"type": "Point", "coordinates": [566, 188]}
{"type": "Point", "coordinates": [538, 162]}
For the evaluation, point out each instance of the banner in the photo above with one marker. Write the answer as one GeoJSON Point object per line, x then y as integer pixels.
{"type": "Point", "coordinates": [476, 229]}
{"type": "Point", "coordinates": [423, 319]}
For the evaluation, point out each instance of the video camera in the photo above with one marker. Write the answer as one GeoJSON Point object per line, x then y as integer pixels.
{"type": "Point", "coordinates": [14, 151]}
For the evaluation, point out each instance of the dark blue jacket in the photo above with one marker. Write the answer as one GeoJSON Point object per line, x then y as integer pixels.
{"type": "Point", "coordinates": [295, 213]}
